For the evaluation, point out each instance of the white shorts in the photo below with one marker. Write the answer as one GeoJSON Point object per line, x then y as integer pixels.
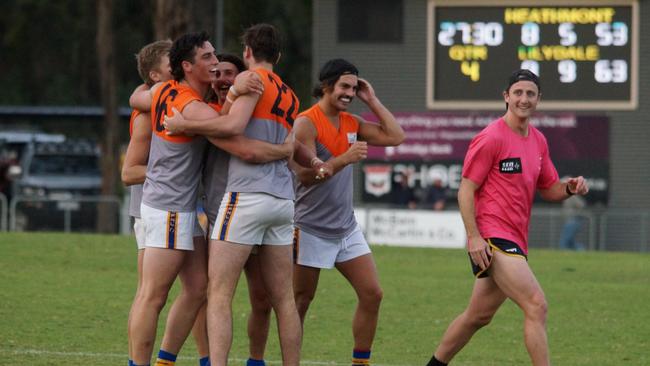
{"type": "Point", "coordinates": [254, 219]}
{"type": "Point", "coordinates": [169, 229]}
{"type": "Point", "coordinates": [313, 251]}
{"type": "Point", "coordinates": [140, 232]}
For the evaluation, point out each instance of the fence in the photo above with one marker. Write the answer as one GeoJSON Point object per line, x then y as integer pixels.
{"type": "Point", "coordinates": [611, 230]}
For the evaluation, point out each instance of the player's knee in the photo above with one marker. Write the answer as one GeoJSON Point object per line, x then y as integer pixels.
{"type": "Point", "coordinates": [537, 308]}
{"type": "Point", "coordinates": [196, 293]}
{"type": "Point", "coordinates": [303, 299]}
{"type": "Point", "coordinates": [477, 321]}
{"type": "Point", "coordinates": [153, 299]}
{"type": "Point", "coordinates": [260, 303]}
{"type": "Point", "coordinates": [371, 297]}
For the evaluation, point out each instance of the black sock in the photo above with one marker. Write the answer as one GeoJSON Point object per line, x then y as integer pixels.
{"type": "Point", "coordinates": [434, 362]}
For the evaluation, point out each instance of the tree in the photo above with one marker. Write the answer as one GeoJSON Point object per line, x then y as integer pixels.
{"type": "Point", "coordinates": [106, 63]}
{"type": "Point", "coordinates": [172, 18]}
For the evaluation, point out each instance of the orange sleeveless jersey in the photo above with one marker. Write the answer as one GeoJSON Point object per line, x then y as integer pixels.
{"type": "Point", "coordinates": [278, 102]}
{"type": "Point", "coordinates": [134, 114]}
{"type": "Point", "coordinates": [170, 94]}
{"type": "Point", "coordinates": [336, 141]}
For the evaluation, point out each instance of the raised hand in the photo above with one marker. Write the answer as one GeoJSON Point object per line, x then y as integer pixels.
{"type": "Point", "coordinates": [365, 92]}
{"type": "Point", "coordinates": [578, 185]}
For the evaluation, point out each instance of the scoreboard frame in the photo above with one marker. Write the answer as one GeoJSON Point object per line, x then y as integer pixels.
{"type": "Point", "coordinates": [494, 102]}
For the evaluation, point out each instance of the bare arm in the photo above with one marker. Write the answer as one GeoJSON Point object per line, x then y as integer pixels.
{"type": "Point", "coordinates": [253, 151]}
{"type": "Point", "coordinates": [477, 247]}
{"type": "Point", "coordinates": [137, 153]}
{"type": "Point", "coordinates": [142, 96]}
{"type": "Point", "coordinates": [228, 125]}
{"type": "Point", "coordinates": [306, 135]}
{"type": "Point", "coordinates": [388, 132]}
{"type": "Point", "coordinates": [559, 190]}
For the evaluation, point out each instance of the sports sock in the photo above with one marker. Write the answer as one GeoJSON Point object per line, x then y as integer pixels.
{"type": "Point", "coordinates": [204, 361]}
{"type": "Point", "coordinates": [131, 362]}
{"type": "Point", "coordinates": [254, 362]}
{"type": "Point", "coordinates": [434, 362]}
{"type": "Point", "coordinates": [360, 357]}
{"type": "Point", "coordinates": [165, 358]}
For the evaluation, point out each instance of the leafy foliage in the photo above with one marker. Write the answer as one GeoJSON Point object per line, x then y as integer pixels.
{"type": "Point", "coordinates": [48, 55]}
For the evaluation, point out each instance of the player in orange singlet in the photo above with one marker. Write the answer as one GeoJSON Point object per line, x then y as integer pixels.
{"type": "Point", "coordinates": [327, 234]}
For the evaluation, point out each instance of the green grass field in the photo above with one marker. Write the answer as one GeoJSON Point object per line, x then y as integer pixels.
{"type": "Point", "coordinates": [64, 301]}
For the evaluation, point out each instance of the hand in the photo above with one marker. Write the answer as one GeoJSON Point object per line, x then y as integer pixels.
{"type": "Point", "coordinates": [357, 152]}
{"type": "Point", "coordinates": [174, 124]}
{"type": "Point", "coordinates": [323, 170]}
{"type": "Point", "coordinates": [365, 92]}
{"type": "Point", "coordinates": [578, 185]}
{"type": "Point", "coordinates": [287, 148]}
{"type": "Point", "coordinates": [248, 82]}
{"type": "Point", "coordinates": [479, 251]}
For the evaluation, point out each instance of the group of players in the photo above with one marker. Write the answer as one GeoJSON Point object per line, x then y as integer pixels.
{"type": "Point", "coordinates": [277, 190]}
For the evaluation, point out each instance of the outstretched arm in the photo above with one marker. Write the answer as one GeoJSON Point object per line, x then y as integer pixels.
{"type": "Point", "coordinates": [253, 151]}
{"type": "Point", "coordinates": [228, 125]}
{"type": "Point", "coordinates": [388, 132]}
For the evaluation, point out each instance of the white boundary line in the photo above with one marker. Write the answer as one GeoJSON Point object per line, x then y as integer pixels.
{"type": "Point", "coordinates": [37, 352]}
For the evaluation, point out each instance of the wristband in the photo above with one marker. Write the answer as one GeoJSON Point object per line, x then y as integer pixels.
{"type": "Point", "coordinates": [233, 91]}
{"type": "Point", "coordinates": [568, 191]}
{"type": "Point", "coordinates": [315, 160]}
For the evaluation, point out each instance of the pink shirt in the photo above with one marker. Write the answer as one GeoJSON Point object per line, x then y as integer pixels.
{"type": "Point", "coordinates": [508, 168]}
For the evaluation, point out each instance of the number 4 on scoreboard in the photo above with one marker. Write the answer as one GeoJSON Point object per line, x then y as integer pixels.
{"type": "Point", "coordinates": [471, 69]}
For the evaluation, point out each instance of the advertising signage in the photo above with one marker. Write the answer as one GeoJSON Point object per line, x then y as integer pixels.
{"type": "Point", "coordinates": [436, 144]}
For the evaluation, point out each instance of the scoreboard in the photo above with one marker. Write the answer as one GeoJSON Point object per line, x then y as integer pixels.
{"type": "Point", "coordinates": [585, 52]}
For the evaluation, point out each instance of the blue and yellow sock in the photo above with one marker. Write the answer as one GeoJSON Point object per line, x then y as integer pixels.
{"type": "Point", "coordinates": [165, 358]}
{"type": "Point", "coordinates": [204, 361]}
{"type": "Point", "coordinates": [360, 357]}
{"type": "Point", "coordinates": [254, 362]}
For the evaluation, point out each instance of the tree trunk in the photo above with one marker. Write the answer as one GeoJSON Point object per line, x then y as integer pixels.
{"type": "Point", "coordinates": [172, 18]}
{"type": "Point", "coordinates": [106, 213]}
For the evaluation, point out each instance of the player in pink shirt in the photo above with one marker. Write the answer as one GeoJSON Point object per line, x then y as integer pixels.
{"type": "Point", "coordinates": [504, 166]}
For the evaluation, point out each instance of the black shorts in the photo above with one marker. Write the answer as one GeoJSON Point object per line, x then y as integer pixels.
{"type": "Point", "coordinates": [506, 247]}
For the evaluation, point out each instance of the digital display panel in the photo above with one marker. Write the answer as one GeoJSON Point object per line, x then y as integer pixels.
{"type": "Point", "coordinates": [584, 52]}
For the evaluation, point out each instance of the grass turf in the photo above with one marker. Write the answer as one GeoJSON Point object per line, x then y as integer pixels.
{"type": "Point", "coordinates": [65, 299]}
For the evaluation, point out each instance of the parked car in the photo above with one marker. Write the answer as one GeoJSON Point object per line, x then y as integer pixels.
{"type": "Point", "coordinates": [50, 174]}
{"type": "Point", "coordinates": [13, 145]}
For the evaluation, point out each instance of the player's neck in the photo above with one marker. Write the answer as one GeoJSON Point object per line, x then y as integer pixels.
{"type": "Point", "coordinates": [252, 65]}
{"type": "Point", "coordinates": [199, 87]}
{"type": "Point", "coordinates": [331, 112]}
{"type": "Point", "coordinates": [517, 125]}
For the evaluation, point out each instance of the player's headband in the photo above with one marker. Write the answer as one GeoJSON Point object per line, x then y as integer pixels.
{"type": "Point", "coordinates": [333, 69]}
{"type": "Point", "coordinates": [523, 75]}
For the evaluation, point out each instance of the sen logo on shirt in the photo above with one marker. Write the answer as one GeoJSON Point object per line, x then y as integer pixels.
{"type": "Point", "coordinates": [510, 166]}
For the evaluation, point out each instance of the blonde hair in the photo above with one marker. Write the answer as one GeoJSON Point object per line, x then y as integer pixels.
{"type": "Point", "coordinates": [149, 57]}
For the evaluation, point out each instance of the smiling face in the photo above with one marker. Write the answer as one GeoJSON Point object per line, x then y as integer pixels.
{"type": "Point", "coordinates": [522, 98]}
{"type": "Point", "coordinates": [343, 92]}
{"type": "Point", "coordinates": [205, 64]}
{"type": "Point", "coordinates": [225, 76]}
